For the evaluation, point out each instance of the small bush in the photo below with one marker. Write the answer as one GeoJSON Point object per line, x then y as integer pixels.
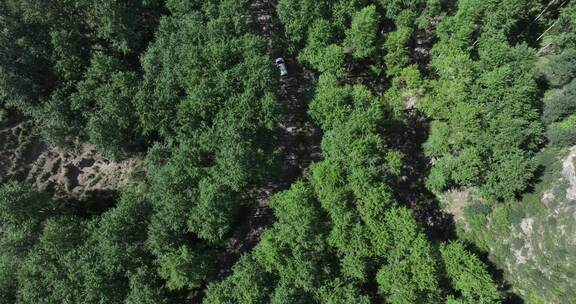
{"type": "Point", "coordinates": [563, 133]}
{"type": "Point", "coordinates": [476, 214]}
{"type": "Point", "coordinates": [394, 162]}
{"type": "Point", "coordinates": [560, 103]}
{"type": "Point", "coordinates": [561, 68]}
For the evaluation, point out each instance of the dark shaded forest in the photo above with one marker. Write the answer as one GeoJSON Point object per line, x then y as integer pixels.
{"type": "Point", "coordinates": [320, 186]}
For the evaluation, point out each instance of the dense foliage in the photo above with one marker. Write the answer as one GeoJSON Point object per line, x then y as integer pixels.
{"type": "Point", "coordinates": [486, 125]}
{"type": "Point", "coordinates": [342, 227]}
{"type": "Point", "coordinates": [190, 88]}
{"type": "Point", "coordinates": [534, 233]}
{"type": "Point", "coordinates": [75, 66]}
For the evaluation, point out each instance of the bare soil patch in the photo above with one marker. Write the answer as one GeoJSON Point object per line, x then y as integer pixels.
{"type": "Point", "coordinates": [24, 156]}
{"type": "Point", "coordinates": [84, 170]}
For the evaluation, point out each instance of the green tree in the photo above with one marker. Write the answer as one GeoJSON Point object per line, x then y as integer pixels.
{"type": "Point", "coordinates": [146, 288]}
{"type": "Point", "coordinates": [296, 16]}
{"type": "Point", "coordinates": [564, 31]}
{"type": "Point", "coordinates": [361, 36]}
{"type": "Point", "coordinates": [332, 104]}
{"type": "Point", "coordinates": [114, 249]}
{"type": "Point", "coordinates": [184, 268]}
{"type": "Point", "coordinates": [43, 275]}
{"type": "Point", "coordinates": [338, 292]}
{"type": "Point", "coordinates": [469, 275]}
{"type": "Point", "coordinates": [394, 8]}
{"type": "Point", "coordinates": [488, 125]}
{"type": "Point", "coordinates": [26, 77]}
{"type": "Point", "coordinates": [57, 46]}
{"type": "Point", "coordinates": [294, 248]}
{"type": "Point", "coordinates": [320, 51]}
{"type": "Point", "coordinates": [396, 57]}
{"type": "Point", "coordinates": [396, 44]}
{"type": "Point", "coordinates": [22, 212]}
{"type": "Point", "coordinates": [128, 26]}
{"type": "Point", "coordinates": [286, 292]}
{"type": "Point", "coordinates": [409, 275]}
{"type": "Point", "coordinates": [35, 237]}
{"type": "Point", "coordinates": [248, 283]}
{"type": "Point", "coordinates": [104, 98]}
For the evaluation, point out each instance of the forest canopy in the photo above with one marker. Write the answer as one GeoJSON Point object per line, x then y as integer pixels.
{"type": "Point", "coordinates": [321, 186]}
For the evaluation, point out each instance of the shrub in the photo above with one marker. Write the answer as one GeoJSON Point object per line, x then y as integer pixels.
{"type": "Point", "coordinates": [563, 133]}
{"type": "Point", "coordinates": [561, 68]}
{"type": "Point", "coordinates": [560, 103]}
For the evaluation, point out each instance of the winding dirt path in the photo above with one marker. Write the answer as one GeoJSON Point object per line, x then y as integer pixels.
{"type": "Point", "coordinates": [297, 137]}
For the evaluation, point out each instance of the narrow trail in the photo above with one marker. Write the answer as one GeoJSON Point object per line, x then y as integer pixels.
{"type": "Point", "coordinates": [297, 137]}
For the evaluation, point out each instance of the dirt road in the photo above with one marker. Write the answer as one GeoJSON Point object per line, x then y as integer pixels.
{"type": "Point", "coordinates": [297, 137]}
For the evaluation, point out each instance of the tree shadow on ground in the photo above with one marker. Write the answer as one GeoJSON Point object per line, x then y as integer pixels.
{"type": "Point", "coordinates": [411, 190]}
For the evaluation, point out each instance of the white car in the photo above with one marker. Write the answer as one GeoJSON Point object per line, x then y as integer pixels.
{"type": "Point", "coordinates": [281, 66]}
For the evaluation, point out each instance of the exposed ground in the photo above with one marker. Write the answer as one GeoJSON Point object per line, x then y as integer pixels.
{"type": "Point", "coordinates": [456, 202]}
{"type": "Point", "coordinates": [82, 170]}
{"type": "Point", "coordinates": [544, 242]}
{"type": "Point", "coordinates": [70, 174]}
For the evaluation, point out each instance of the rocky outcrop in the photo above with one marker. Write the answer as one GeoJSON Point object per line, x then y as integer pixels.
{"type": "Point", "coordinates": [532, 240]}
